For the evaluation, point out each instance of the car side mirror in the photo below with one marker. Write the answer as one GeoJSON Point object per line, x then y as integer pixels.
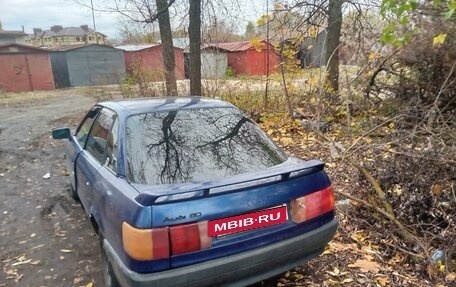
{"type": "Point", "coordinates": [61, 133]}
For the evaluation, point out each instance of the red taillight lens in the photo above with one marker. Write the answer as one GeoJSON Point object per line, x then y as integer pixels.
{"type": "Point", "coordinates": [189, 237]}
{"type": "Point", "coordinates": [312, 205]}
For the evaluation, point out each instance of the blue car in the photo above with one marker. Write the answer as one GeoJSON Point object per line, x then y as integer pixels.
{"type": "Point", "coordinates": [187, 191]}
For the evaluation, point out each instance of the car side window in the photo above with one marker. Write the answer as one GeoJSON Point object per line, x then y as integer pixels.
{"type": "Point", "coordinates": [96, 141]}
{"type": "Point", "coordinates": [112, 147]}
{"type": "Point", "coordinates": [84, 128]}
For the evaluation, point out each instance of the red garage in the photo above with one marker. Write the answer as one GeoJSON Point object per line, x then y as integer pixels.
{"type": "Point", "coordinates": [148, 58]}
{"type": "Point", "coordinates": [24, 68]}
{"type": "Point", "coordinates": [245, 58]}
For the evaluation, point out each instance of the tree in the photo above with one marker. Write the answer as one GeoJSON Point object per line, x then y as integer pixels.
{"type": "Point", "coordinates": [137, 33]}
{"type": "Point", "coordinates": [168, 48]}
{"type": "Point", "coordinates": [250, 30]}
{"type": "Point", "coordinates": [215, 31]}
{"type": "Point", "coordinates": [194, 29]}
{"type": "Point", "coordinates": [360, 32]}
{"type": "Point", "coordinates": [333, 42]}
{"type": "Point", "coordinates": [423, 35]}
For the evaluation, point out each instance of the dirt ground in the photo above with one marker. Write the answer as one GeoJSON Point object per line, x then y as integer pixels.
{"type": "Point", "coordinates": [45, 237]}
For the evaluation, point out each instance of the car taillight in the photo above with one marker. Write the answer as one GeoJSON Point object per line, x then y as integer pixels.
{"type": "Point", "coordinates": [187, 238]}
{"type": "Point", "coordinates": [312, 205]}
{"type": "Point", "coordinates": [161, 243]}
{"type": "Point", "coordinates": [145, 244]}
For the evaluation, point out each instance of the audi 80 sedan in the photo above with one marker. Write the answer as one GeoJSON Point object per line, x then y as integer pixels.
{"type": "Point", "coordinates": [188, 191]}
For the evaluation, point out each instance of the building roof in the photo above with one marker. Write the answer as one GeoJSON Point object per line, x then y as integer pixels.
{"type": "Point", "coordinates": [75, 31]}
{"type": "Point", "coordinates": [232, 46]}
{"type": "Point", "coordinates": [74, 47]}
{"type": "Point", "coordinates": [23, 47]}
{"type": "Point", "coordinates": [131, 48]}
{"type": "Point", "coordinates": [12, 33]}
{"type": "Point", "coordinates": [67, 31]}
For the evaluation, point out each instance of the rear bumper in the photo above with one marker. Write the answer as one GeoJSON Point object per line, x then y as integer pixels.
{"type": "Point", "coordinates": [235, 270]}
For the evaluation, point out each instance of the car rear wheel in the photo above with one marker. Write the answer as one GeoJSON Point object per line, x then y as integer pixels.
{"type": "Point", "coordinates": [108, 273]}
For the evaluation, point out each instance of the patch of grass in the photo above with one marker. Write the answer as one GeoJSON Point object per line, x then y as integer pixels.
{"type": "Point", "coordinates": [28, 97]}
{"type": "Point", "coordinates": [99, 94]}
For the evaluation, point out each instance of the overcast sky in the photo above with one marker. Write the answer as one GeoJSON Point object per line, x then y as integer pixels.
{"type": "Point", "coordinates": [44, 13]}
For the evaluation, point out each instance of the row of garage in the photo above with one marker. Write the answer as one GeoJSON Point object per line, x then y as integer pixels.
{"type": "Point", "coordinates": [26, 68]}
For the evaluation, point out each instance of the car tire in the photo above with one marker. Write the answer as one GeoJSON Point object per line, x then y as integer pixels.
{"type": "Point", "coordinates": [108, 273]}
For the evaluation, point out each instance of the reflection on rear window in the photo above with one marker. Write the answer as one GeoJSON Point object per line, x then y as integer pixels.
{"type": "Point", "coordinates": [192, 145]}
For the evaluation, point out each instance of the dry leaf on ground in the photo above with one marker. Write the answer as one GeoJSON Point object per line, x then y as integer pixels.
{"type": "Point", "coordinates": [366, 266]}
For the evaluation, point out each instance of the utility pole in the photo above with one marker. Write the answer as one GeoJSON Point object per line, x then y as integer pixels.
{"type": "Point", "coordinates": [93, 19]}
{"type": "Point", "coordinates": [266, 99]}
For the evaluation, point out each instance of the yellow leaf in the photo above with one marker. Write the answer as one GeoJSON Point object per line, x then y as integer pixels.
{"type": "Point", "coordinates": [313, 81]}
{"type": "Point", "coordinates": [327, 251]}
{"type": "Point", "coordinates": [383, 281]}
{"type": "Point", "coordinates": [366, 266]}
{"type": "Point", "coordinates": [257, 44]}
{"type": "Point", "coordinates": [359, 237]}
{"type": "Point", "coordinates": [436, 189]}
{"type": "Point", "coordinates": [330, 164]}
{"type": "Point", "coordinates": [396, 259]}
{"type": "Point", "coordinates": [439, 39]}
{"type": "Point", "coordinates": [313, 32]}
{"type": "Point", "coordinates": [347, 280]}
{"type": "Point", "coordinates": [90, 284]}
{"type": "Point", "coordinates": [374, 55]}
{"type": "Point", "coordinates": [286, 140]}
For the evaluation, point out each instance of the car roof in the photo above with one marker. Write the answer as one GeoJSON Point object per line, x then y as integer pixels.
{"type": "Point", "coordinates": [160, 104]}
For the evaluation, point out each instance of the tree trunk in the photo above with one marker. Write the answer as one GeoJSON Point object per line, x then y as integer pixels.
{"type": "Point", "coordinates": [333, 42]}
{"type": "Point", "coordinates": [168, 49]}
{"type": "Point", "coordinates": [194, 34]}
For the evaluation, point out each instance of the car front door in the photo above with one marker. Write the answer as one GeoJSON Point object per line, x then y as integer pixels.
{"type": "Point", "coordinates": [77, 143]}
{"type": "Point", "coordinates": [92, 157]}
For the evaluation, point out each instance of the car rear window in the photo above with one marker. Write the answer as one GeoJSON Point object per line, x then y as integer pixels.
{"type": "Point", "coordinates": [196, 144]}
